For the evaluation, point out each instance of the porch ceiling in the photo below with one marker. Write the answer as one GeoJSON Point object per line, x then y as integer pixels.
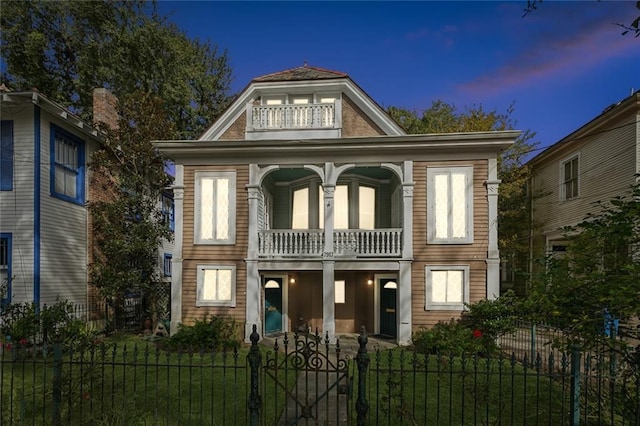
{"type": "Point", "coordinates": [292, 174]}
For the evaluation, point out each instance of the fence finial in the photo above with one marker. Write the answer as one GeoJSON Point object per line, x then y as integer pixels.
{"type": "Point", "coordinates": [254, 337]}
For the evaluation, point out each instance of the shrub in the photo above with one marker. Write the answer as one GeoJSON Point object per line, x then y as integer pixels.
{"type": "Point", "coordinates": [453, 338]}
{"type": "Point", "coordinates": [494, 317]}
{"type": "Point", "coordinates": [215, 333]}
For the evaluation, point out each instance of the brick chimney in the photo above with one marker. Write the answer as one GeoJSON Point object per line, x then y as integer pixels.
{"type": "Point", "coordinates": [105, 108]}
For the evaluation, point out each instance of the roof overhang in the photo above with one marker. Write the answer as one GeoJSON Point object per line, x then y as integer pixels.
{"type": "Point", "coordinates": [435, 147]}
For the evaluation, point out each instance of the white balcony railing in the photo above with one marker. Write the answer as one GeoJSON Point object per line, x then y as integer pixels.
{"type": "Point", "coordinates": [307, 116]}
{"type": "Point", "coordinates": [353, 243]}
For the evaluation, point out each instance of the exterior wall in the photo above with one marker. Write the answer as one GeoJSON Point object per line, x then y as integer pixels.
{"type": "Point", "coordinates": [425, 254]}
{"type": "Point", "coordinates": [607, 164]}
{"type": "Point", "coordinates": [237, 130]}
{"type": "Point", "coordinates": [17, 206]}
{"type": "Point", "coordinates": [220, 254]}
{"type": "Point", "coordinates": [355, 122]}
{"type": "Point", "coordinates": [63, 229]}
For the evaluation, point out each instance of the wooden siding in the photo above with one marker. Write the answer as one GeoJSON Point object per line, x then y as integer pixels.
{"type": "Point", "coordinates": [233, 254]}
{"type": "Point", "coordinates": [425, 254]}
{"type": "Point", "coordinates": [16, 207]}
{"type": "Point", "coordinates": [355, 122]}
{"type": "Point", "coordinates": [607, 164]}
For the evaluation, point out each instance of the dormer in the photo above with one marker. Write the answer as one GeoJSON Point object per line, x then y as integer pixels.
{"type": "Point", "coordinates": [302, 103]}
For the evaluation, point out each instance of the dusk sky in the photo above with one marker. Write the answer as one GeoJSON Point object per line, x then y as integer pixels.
{"type": "Point", "coordinates": [560, 66]}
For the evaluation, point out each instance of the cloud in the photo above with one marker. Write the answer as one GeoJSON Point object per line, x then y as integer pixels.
{"type": "Point", "coordinates": [557, 47]}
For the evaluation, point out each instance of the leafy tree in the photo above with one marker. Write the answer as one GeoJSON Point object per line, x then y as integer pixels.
{"type": "Point", "coordinates": [67, 48]}
{"type": "Point", "coordinates": [598, 277]}
{"type": "Point", "coordinates": [513, 213]}
{"type": "Point", "coordinates": [633, 27]}
{"type": "Point", "coordinates": [127, 224]}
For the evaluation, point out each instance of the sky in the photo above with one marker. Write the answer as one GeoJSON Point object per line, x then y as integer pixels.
{"type": "Point", "coordinates": [559, 67]}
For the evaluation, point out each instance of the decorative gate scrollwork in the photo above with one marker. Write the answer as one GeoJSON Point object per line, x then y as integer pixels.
{"type": "Point", "coordinates": [312, 380]}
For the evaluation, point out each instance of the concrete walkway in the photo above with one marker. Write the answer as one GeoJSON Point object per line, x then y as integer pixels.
{"type": "Point", "coordinates": [311, 402]}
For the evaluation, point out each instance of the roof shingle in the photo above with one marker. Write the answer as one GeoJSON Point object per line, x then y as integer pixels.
{"type": "Point", "coordinates": [305, 72]}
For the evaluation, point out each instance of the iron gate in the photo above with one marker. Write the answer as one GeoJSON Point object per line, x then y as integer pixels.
{"type": "Point", "coordinates": [309, 381]}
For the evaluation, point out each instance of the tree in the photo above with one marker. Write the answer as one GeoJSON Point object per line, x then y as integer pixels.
{"type": "Point", "coordinates": [633, 27]}
{"type": "Point", "coordinates": [598, 276]}
{"type": "Point", "coordinates": [513, 213]}
{"type": "Point", "coordinates": [127, 224]}
{"type": "Point", "coordinates": [65, 49]}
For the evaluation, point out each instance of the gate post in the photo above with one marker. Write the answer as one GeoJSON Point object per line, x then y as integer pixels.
{"type": "Point", "coordinates": [255, 359]}
{"type": "Point", "coordinates": [57, 384]}
{"type": "Point", "coordinates": [574, 405]}
{"type": "Point", "coordinates": [362, 359]}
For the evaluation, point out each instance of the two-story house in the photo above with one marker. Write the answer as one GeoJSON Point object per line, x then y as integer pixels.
{"type": "Point", "coordinates": [306, 205]}
{"type": "Point", "coordinates": [596, 162]}
{"type": "Point", "coordinates": [45, 184]}
{"type": "Point", "coordinates": [43, 193]}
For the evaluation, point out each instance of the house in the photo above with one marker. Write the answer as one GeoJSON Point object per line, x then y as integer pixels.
{"type": "Point", "coordinates": [305, 206]}
{"type": "Point", "coordinates": [43, 195]}
{"type": "Point", "coordinates": [45, 239]}
{"type": "Point", "coordinates": [596, 162]}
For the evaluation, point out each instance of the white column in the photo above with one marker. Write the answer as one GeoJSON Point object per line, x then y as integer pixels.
{"type": "Point", "coordinates": [407, 211]}
{"type": "Point", "coordinates": [404, 303]}
{"type": "Point", "coordinates": [493, 254]}
{"type": "Point", "coordinates": [252, 313]}
{"type": "Point", "coordinates": [176, 256]}
{"type": "Point", "coordinates": [328, 264]}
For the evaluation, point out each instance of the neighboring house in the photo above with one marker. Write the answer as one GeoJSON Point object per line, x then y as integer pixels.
{"type": "Point", "coordinates": [45, 239]}
{"type": "Point", "coordinates": [597, 162]}
{"type": "Point", "coordinates": [43, 195]}
{"type": "Point", "coordinates": [306, 205]}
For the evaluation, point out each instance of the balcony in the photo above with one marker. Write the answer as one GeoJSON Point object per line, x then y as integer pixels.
{"type": "Point", "coordinates": [289, 120]}
{"type": "Point", "coordinates": [352, 244]}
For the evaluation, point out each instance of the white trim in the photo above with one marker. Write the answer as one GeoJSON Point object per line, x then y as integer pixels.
{"type": "Point", "coordinates": [432, 172]}
{"type": "Point", "coordinates": [200, 269]}
{"type": "Point", "coordinates": [376, 299]}
{"type": "Point", "coordinates": [563, 162]}
{"type": "Point", "coordinates": [197, 211]}
{"type": "Point", "coordinates": [431, 306]}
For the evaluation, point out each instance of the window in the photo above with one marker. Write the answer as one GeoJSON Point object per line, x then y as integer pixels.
{"type": "Point", "coordinates": [166, 264]}
{"type": "Point", "coordinates": [570, 179]}
{"type": "Point", "coordinates": [5, 268]}
{"type": "Point", "coordinates": [300, 211]}
{"type": "Point", "coordinates": [168, 211]}
{"type": "Point", "coordinates": [215, 207]}
{"type": "Point", "coordinates": [6, 155]}
{"type": "Point", "coordinates": [447, 287]}
{"type": "Point", "coordinates": [216, 285]}
{"type": "Point", "coordinates": [342, 203]}
{"type": "Point", "coordinates": [450, 205]}
{"type": "Point", "coordinates": [67, 166]}
{"type": "Point", "coordinates": [367, 207]}
{"type": "Point", "coordinates": [340, 295]}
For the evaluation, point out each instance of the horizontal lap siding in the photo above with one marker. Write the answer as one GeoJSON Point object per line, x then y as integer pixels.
{"type": "Point", "coordinates": [232, 254]}
{"type": "Point", "coordinates": [425, 254]}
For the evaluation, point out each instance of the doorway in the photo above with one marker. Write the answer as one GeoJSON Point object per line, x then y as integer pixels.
{"type": "Point", "coordinates": [388, 290]}
{"type": "Point", "coordinates": [273, 304]}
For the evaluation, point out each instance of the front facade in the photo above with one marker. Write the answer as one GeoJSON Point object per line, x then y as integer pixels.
{"type": "Point", "coordinates": [305, 206]}
{"type": "Point", "coordinates": [597, 162]}
{"type": "Point", "coordinates": [43, 194]}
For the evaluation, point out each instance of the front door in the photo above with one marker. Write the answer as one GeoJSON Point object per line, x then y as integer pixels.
{"type": "Point", "coordinates": [273, 305]}
{"type": "Point", "coordinates": [388, 289]}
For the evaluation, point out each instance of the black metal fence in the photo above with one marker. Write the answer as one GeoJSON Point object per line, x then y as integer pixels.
{"type": "Point", "coordinates": [307, 380]}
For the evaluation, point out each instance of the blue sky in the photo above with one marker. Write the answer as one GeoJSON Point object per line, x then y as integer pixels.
{"type": "Point", "coordinates": [560, 66]}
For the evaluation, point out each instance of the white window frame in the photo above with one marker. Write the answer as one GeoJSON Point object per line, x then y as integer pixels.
{"type": "Point", "coordinates": [432, 172]}
{"type": "Point", "coordinates": [563, 181]}
{"type": "Point", "coordinates": [439, 306]}
{"type": "Point", "coordinates": [200, 270]}
{"type": "Point", "coordinates": [68, 163]}
{"type": "Point", "coordinates": [231, 175]}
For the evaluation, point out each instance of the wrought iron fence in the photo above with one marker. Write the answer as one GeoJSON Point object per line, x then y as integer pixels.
{"type": "Point", "coordinates": [304, 379]}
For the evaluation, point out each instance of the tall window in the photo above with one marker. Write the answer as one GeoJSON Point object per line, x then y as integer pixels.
{"type": "Point", "coordinates": [450, 205]}
{"type": "Point", "coordinates": [166, 264]}
{"type": "Point", "coordinates": [6, 155]}
{"type": "Point", "coordinates": [215, 207]}
{"type": "Point", "coordinates": [216, 285]}
{"type": "Point", "coordinates": [367, 207]}
{"type": "Point", "coordinates": [300, 210]}
{"type": "Point", "coordinates": [5, 268]}
{"type": "Point", "coordinates": [67, 166]}
{"type": "Point", "coordinates": [168, 211]}
{"type": "Point", "coordinates": [447, 287]}
{"type": "Point", "coordinates": [570, 179]}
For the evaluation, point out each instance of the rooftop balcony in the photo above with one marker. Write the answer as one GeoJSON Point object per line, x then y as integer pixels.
{"type": "Point", "coordinates": [287, 120]}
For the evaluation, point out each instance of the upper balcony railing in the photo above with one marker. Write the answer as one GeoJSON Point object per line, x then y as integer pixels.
{"type": "Point", "coordinates": [348, 243]}
{"type": "Point", "coordinates": [305, 116]}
